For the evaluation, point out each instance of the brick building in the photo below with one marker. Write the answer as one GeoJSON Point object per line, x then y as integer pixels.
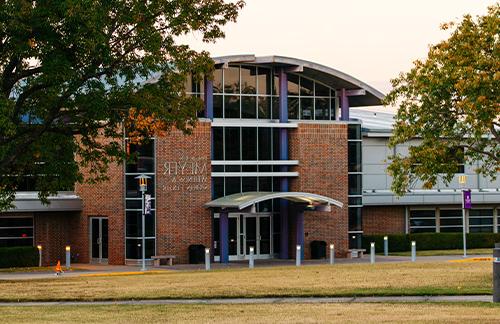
{"type": "Point", "coordinates": [274, 162]}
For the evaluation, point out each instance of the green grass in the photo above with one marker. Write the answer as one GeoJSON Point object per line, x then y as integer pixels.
{"type": "Point", "coordinates": [381, 279]}
{"type": "Point", "coordinates": [445, 252]}
{"type": "Point", "coordinates": [256, 313]}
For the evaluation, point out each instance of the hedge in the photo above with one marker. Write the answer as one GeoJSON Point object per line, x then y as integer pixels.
{"type": "Point", "coordinates": [431, 241]}
{"type": "Point", "coordinates": [19, 256]}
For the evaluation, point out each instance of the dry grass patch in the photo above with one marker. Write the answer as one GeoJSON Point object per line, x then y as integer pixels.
{"type": "Point", "coordinates": [324, 280]}
{"type": "Point", "coordinates": [446, 252]}
{"type": "Point", "coordinates": [260, 313]}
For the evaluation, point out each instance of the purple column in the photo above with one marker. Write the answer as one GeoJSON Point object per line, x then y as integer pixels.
{"type": "Point", "coordinates": [344, 102]}
{"type": "Point", "coordinates": [283, 116]}
{"type": "Point", "coordinates": [224, 237]}
{"type": "Point", "coordinates": [209, 98]}
{"type": "Point", "coordinates": [299, 223]}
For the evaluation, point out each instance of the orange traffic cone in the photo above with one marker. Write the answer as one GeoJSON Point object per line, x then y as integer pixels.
{"type": "Point", "coordinates": [58, 268]}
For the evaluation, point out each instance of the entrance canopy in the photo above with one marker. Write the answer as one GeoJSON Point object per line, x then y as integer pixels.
{"type": "Point", "coordinates": [241, 201]}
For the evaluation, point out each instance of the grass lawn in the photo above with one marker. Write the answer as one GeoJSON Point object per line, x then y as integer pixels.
{"type": "Point", "coordinates": [437, 278]}
{"type": "Point", "coordinates": [445, 252]}
{"type": "Point", "coordinates": [256, 313]}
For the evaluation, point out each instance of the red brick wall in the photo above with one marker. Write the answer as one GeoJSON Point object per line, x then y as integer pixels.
{"type": "Point", "coordinates": [322, 153]}
{"type": "Point", "coordinates": [383, 220]}
{"type": "Point", "coordinates": [104, 199]}
{"type": "Point", "coordinates": [183, 187]}
{"type": "Point", "coordinates": [52, 233]}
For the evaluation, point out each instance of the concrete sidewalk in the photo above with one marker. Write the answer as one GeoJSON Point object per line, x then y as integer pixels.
{"type": "Point", "coordinates": [96, 269]}
{"type": "Point", "coordinates": [287, 300]}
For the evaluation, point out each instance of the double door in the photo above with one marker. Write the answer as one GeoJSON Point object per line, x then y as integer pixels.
{"type": "Point", "coordinates": [99, 239]}
{"type": "Point", "coordinates": [245, 231]}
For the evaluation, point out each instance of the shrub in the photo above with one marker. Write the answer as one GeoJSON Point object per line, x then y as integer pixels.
{"type": "Point", "coordinates": [431, 241]}
{"type": "Point", "coordinates": [19, 256]}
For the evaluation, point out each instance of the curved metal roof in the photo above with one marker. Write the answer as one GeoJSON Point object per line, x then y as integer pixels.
{"type": "Point", "coordinates": [243, 200]}
{"type": "Point", "coordinates": [324, 74]}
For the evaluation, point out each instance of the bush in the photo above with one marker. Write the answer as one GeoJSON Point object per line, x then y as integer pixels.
{"type": "Point", "coordinates": [19, 256]}
{"type": "Point", "coordinates": [431, 241]}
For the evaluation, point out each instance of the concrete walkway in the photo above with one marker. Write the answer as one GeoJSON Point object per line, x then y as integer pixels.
{"type": "Point", "coordinates": [98, 269]}
{"type": "Point", "coordinates": [287, 300]}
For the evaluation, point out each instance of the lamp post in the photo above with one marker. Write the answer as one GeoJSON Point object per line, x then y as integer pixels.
{"type": "Point", "coordinates": [68, 257]}
{"type": "Point", "coordinates": [466, 204]}
{"type": "Point", "coordinates": [143, 187]}
{"type": "Point", "coordinates": [39, 247]}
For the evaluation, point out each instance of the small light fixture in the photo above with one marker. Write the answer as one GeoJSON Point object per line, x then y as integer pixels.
{"type": "Point", "coordinates": [39, 247]}
{"type": "Point", "coordinates": [68, 248]}
{"type": "Point", "coordinates": [251, 249]}
{"type": "Point", "coordinates": [332, 246]}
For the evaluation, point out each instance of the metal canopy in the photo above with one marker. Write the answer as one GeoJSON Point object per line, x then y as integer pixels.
{"type": "Point", "coordinates": [327, 75]}
{"type": "Point", "coordinates": [28, 201]}
{"type": "Point", "coordinates": [243, 200]}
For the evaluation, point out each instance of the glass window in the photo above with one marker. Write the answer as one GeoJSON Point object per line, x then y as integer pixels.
{"type": "Point", "coordinates": [264, 108]}
{"type": "Point", "coordinates": [249, 143]}
{"type": "Point", "coordinates": [276, 144]}
{"type": "Point", "coordinates": [293, 84]}
{"type": "Point", "coordinates": [218, 107]}
{"type": "Point", "coordinates": [354, 131]}
{"type": "Point", "coordinates": [355, 240]}
{"type": "Point", "coordinates": [132, 186]}
{"type": "Point", "coordinates": [218, 184]}
{"type": "Point", "coordinates": [217, 81]}
{"type": "Point", "coordinates": [354, 156]}
{"type": "Point", "coordinates": [293, 108]}
{"type": "Point", "coordinates": [265, 143]}
{"type": "Point", "coordinates": [355, 219]}
{"type": "Point", "coordinates": [276, 108]}
{"type": "Point", "coordinates": [232, 145]}
{"type": "Point", "coordinates": [276, 85]}
{"type": "Point", "coordinates": [481, 221]}
{"type": "Point", "coordinates": [422, 222]}
{"type": "Point", "coordinates": [355, 184]}
{"type": "Point", "coordinates": [248, 106]}
{"type": "Point", "coordinates": [481, 229]}
{"type": "Point", "coordinates": [248, 184]}
{"type": "Point", "coordinates": [355, 201]}
{"type": "Point", "coordinates": [321, 109]}
{"type": "Point", "coordinates": [16, 231]}
{"type": "Point", "coordinates": [306, 108]}
{"type": "Point", "coordinates": [233, 185]}
{"type": "Point", "coordinates": [218, 150]}
{"type": "Point", "coordinates": [445, 213]}
{"type": "Point", "coordinates": [231, 106]}
{"type": "Point", "coordinates": [333, 108]}
{"type": "Point", "coordinates": [134, 249]}
{"type": "Point", "coordinates": [264, 81]}
{"type": "Point", "coordinates": [423, 213]}
{"type": "Point", "coordinates": [232, 80]}
{"type": "Point", "coordinates": [306, 87]}
{"type": "Point", "coordinates": [142, 158]}
{"type": "Point", "coordinates": [481, 213]}
{"type": "Point", "coordinates": [134, 224]}
{"type": "Point", "coordinates": [248, 79]}
{"type": "Point", "coordinates": [321, 90]}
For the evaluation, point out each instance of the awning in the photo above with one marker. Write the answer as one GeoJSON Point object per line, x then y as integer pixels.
{"type": "Point", "coordinates": [243, 200]}
{"type": "Point", "coordinates": [28, 201]}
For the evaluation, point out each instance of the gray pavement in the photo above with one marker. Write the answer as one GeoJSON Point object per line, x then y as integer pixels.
{"type": "Point", "coordinates": [290, 300]}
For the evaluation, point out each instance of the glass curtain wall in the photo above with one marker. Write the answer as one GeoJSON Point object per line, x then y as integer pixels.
{"type": "Point", "coordinates": [143, 163]}
{"type": "Point", "coordinates": [16, 231]}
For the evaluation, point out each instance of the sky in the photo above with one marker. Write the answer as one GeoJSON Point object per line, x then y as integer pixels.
{"type": "Point", "coordinates": [371, 40]}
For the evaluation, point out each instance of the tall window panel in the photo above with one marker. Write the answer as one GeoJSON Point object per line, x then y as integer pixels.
{"type": "Point", "coordinates": [142, 162]}
{"type": "Point", "coordinates": [355, 188]}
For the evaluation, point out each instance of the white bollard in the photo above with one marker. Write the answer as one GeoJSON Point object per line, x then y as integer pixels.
{"type": "Point", "coordinates": [332, 253]}
{"type": "Point", "coordinates": [386, 246]}
{"type": "Point", "coordinates": [297, 256]}
{"type": "Point", "coordinates": [413, 251]}
{"type": "Point", "coordinates": [68, 257]}
{"type": "Point", "coordinates": [372, 252]}
{"type": "Point", "coordinates": [251, 260]}
{"type": "Point", "coordinates": [207, 259]}
{"type": "Point", "coordinates": [39, 247]}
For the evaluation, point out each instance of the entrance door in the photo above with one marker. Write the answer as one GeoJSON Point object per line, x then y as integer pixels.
{"type": "Point", "coordinates": [257, 233]}
{"type": "Point", "coordinates": [99, 239]}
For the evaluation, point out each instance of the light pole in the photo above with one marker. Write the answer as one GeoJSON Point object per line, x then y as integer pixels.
{"type": "Point", "coordinates": [143, 187]}
{"type": "Point", "coordinates": [466, 204]}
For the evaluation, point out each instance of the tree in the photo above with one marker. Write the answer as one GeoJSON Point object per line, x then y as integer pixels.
{"type": "Point", "coordinates": [71, 70]}
{"type": "Point", "coordinates": [450, 102]}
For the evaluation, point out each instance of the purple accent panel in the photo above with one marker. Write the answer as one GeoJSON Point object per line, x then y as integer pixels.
{"type": "Point", "coordinates": [209, 98]}
{"type": "Point", "coordinates": [344, 102]}
{"type": "Point", "coordinates": [299, 219]}
{"type": "Point", "coordinates": [467, 199]}
{"type": "Point", "coordinates": [224, 236]}
{"type": "Point", "coordinates": [283, 116]}
{"type": "Point", "coordinates": [283, 111]}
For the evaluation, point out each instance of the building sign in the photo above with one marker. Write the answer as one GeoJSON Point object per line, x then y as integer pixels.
{"type": "Point", "coordinates": [147, 204]}
{"type": "Point", "coordinates": [187, 174]}
{"type": "Point", "coordinates": [467, 199]}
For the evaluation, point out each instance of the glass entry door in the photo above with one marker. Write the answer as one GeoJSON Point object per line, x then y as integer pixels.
{"type": "Point", "coordinates": [257, 233]}
{"type": "Point", "coordinates": [99, 239]}
{"type": "Point", "coordinates": [245, 230]}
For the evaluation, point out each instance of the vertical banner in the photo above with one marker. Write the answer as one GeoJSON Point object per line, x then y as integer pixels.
{"type": "Point", "coordinates": [467, 199]}
{"type": "Point", "coordinates": [147, 204]}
